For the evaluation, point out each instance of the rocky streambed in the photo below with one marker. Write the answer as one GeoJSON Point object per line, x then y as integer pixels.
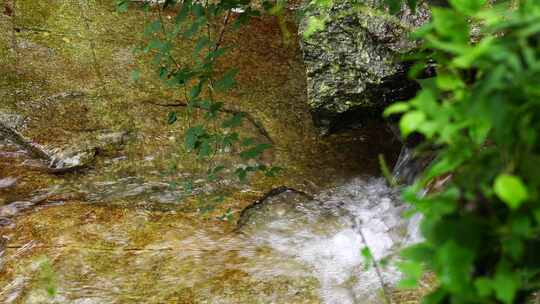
{"type": "Point", "coordinates": [98, 215]}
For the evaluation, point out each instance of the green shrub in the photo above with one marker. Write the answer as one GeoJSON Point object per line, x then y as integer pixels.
{"type": "Point", "coordinates": [481, 114]}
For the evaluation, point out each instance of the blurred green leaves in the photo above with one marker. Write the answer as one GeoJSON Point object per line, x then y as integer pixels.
{"type": "Point", "coordinates": [511, 190]}
{"type": "Point", "coordinates": [476, 116]}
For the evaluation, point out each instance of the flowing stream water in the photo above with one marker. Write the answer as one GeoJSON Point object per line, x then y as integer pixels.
{"type": "Point", "coordinates": [327, 236]}
{"type": "Point", "coordinates": [287, 248]}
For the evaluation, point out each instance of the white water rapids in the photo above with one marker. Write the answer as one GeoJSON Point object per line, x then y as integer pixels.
{"type": "Point", "coordinates": [327, 236]}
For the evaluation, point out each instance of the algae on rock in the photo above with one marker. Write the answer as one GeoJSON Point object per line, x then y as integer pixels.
{"type": "Point", "coordinates": [354, 62]}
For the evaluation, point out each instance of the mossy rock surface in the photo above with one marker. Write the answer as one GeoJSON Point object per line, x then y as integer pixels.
{"type": "Point", "coordinates": [353, 63]}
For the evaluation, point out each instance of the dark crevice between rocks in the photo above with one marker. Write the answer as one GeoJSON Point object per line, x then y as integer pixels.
{"type": "Point", "coordinates": [395, 88]}
{"type": "Point", "coordinates": [407, 165]}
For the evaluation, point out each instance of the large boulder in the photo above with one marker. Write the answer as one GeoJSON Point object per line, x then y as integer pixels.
{"type": "Point", "coordinates": [353, 64]}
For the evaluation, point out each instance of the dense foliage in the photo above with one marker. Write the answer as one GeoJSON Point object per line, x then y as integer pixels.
{"type": "Point", "coordinates": [480, 116]}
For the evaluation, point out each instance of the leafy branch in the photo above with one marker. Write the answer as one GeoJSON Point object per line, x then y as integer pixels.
{"type": "Point", "coordinates": [204, 25]}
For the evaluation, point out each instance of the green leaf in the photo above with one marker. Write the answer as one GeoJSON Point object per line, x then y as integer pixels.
{"type": "Point", "coordinates": [471, 56]}
{"type": "Point", "coordinates": [479, 130]}
{"type": "Point", "coordinates": [395, 108]}
{"type": "Point", "coordinates": [227, 81]}
{"type": "Point", "coordinates": [273, 171]}
{"type": "Point", "coordinates": [171, 118]}
{"type": "Point", "coordinates": [368, 257]}
{"type": "Point", "coordinates": [425, 101]}
{"type": "Point", "coordinates": [214, 108]}
{"type": "Point", "coordinates": [248, 142]}
{"type": "Point", "coordinates": [393, 5]}
{"type": "Point", "coordinates": [413, 272]}
{"type": "Point", "coordinates": [412, 5]}
{"type": "Point", "coordinates": [242, 174]}
{"type": "Point", "coordinates": [255, 151]}
{"type": "Point", "coordinates": [195, 91]}
{"type": "Point", "coordinates": [153, 44]}
{"type": "Point", "coordinates": [484, 286]}
{"type": "Point", "coordinates": [190, 32]}
{"type": "Point", "coordinates": [152, 28]}
{"type": "Point", "coordinates": [455, 266]}
{"type": "Point", "coordinates": [192, 137]}
{"type": "Point", "coordinates": [511, 190]}
{"type": "Point", "coordinates": [184, 12]}
{"type": "Point", "coordinates": [122, 6]}
{"type": "Point", "coordinates": [513, 247]}
{"type": "Point", "coordinates": [468, 7]}
{"type": "Point", "coordinates": [216, 53]}
{"type": "Point", "coordinates": [200, 45]}
{"type": "Point", "coordinates": [452, 25]}
{"type": "Point", "coordinates": [314, 24]}
{"type": "Point", "coordinates": [449, 82]}
{"type": "Point", "coordinates": [163, 73]}
{"type": "Point", "coordinates": [230, 139]}
{"type": "Point", "coordinates": [234, 121]}
{"type": "Point", "coordinates": [205, 149]}
{"type": "Point", "coordinates": [505, 284]}
{"type": "Point", "coordinates": [198, 10]}
{"type": "Point", "coordinates": [411, 121]}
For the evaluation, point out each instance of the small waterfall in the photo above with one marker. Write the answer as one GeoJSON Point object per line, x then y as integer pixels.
{"type": "Point", "coordinates": [408, 165]}
{"type": "Point", "coordinates": [406, 170]}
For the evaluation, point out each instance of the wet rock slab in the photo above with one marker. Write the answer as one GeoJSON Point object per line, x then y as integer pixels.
{"type": "Point", "coordinates": [89, 254]}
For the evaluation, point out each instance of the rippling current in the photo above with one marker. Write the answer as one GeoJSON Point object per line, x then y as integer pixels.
{"type": "Point", "coordinates": [289, 249]}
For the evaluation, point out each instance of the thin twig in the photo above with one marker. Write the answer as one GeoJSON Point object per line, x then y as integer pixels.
{"type": "Point", "coordinates": [222, 32]}
{"type": "Point", "coordinates": [248, 116]}
{"type": "Point", "coordinates": [376, 266]}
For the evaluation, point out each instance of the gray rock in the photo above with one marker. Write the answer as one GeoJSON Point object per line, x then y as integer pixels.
{"type": "Point", "coordinates": [354, 63]}
{"type": "Point", "coordinates": [14, 121]}
{"type": "Point", "coordinates": [14, 208]}
{"type": "Point", "coordinates": [82, 152]}
{"type": "Point", "coordinates": [7, 182]}
{"type": "Point", "coordinates": [276, 204]}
